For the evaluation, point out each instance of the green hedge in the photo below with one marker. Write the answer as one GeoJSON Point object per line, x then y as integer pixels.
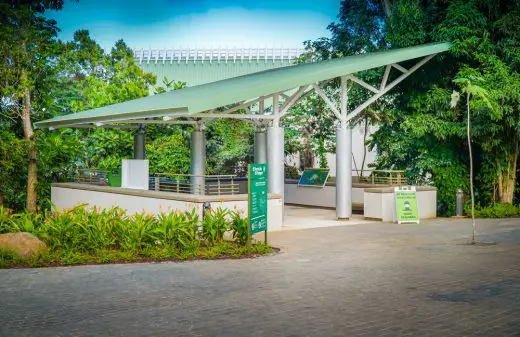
{"type": "Point", "coordinates": [495, 211]}
{"type": "Point", "coordinates": [85, 234]}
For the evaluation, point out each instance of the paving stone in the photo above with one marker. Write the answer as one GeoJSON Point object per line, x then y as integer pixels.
{"type": "Point", "coordinates": [359, 280]}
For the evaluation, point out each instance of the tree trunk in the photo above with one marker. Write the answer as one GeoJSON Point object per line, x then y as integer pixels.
{"type": "Point", "coordinates": [307, 153]}
{"type": "Point", "coordinates": [32, 174]}
{"type": "Point", "coordinates": [364, 146]}
{"type": "Point", "coordinates": [474, 236]}
{"type": "Point", "coordinates": [507, 179]}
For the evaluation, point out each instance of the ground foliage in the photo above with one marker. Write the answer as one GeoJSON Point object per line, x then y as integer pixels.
{"type": "Point", "coordinates": [85, 235]}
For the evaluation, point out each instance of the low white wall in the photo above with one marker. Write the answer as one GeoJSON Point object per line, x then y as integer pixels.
{"type": "Point", "coordinates": [68, 197]}
{"type": "Point", "coordinates": [320, 197]}
{"type": "Point", "coordinates": [379, 203]}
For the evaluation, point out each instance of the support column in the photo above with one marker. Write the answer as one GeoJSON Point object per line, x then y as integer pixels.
{"type": "Point", "coordinates": [343, 172]}
{"type": "Point", "coordinates": [260, 146]}
{"type": "Point", "coordinates": [275, 160]}
{"type": "Point", "coordinates": [198, 161]}
{"type": "Point", "coordinates": [275, 154]}
{"type": "Point", "coordinates": [139, 143]}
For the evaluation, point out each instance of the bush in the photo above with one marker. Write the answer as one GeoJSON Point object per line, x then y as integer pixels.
{"type": "Point", "coordinates": [215, 224]}
{"type": "Point", "coordinates": [496, 211]}
{"type": "Point", "coordinates": [83, 235]}
{"type": "Point", "coordinates": [240, 228]}
{"type": "Point", "coordinates": [92, 230]}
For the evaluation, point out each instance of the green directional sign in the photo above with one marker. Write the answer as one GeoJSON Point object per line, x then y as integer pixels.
{"type": "Point", "coordinates": [406, 204]}
{"type": "Point", "coordinates": [257, 198]}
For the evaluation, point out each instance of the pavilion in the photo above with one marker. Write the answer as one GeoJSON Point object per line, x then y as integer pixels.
{"type": "Point", "coordinates": [198, 105]}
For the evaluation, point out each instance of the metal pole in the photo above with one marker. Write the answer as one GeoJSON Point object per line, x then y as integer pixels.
{"type": "Point", "coordinates": [343, 160]}
{"type": "Point", "coordinates": [260, 146]}
{"type": "Point", "coordinates": [275, 160]}
{"type": "Point", "coordinates": [198, 161]}
{"type": "Point", "coordinates": [460, 200]}
{"type": "Point", "coordinates": [139, 143]}
{"type": "Point", "coordinates": [343, 172]}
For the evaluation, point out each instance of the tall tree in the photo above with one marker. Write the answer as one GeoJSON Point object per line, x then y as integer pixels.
{"type": "Point", "coordinates": [27, 44]}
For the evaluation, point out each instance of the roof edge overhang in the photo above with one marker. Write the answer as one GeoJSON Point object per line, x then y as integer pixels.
{"type": "Point", "coordinates": [192, 100]}
{"type": "Point", "coordinates": [57, 123]}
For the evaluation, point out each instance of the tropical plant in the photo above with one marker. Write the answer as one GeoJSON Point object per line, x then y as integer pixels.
{"type": "Point", "coordinates": [240, 227]}
{"type": "Point", "coordinates": [214, 224]}
{"type": "Point", "coordinates": [470, 89]}
{"type": "Point", "coordinates": [178, 229]}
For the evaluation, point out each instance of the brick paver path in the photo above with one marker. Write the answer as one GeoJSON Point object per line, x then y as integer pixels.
{"type": "Point", "coordinates": [366, 280]}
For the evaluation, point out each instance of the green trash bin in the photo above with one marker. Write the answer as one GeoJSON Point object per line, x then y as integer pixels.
{"type": "Point", "coordinates": [114, 178]}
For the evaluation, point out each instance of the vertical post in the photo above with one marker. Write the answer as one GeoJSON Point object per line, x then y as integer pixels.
{"type": "Point", "coordinates": [260, 145]}
{"type": "Point", "coordinates": [198, 161]}
{"type": "Point", "coordinates": [275, 154]}
{"type": "Point", "coordinates": [260, 149]}
{"type": "Point", "coordinates": [343, 160]}
{"type": "Point", "coordinates": [139, 143]}
{"type": "Point", "coordinates": [249, 205]}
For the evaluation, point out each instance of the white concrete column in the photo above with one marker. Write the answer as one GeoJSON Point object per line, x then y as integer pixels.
{"type": "Point", "coordinates": [343, 172]}
{"type": "Point", "coordinates": [260, 146]}
{"type": "Point", "coordinates": [198, 161]}
{"type": "Point", "coordinates": [139, 143]}
{"type": "Point", "coordinates": [275, 160]}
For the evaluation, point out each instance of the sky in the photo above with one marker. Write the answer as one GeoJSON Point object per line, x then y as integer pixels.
{"type": "Point", "coordinates": [198, 23]}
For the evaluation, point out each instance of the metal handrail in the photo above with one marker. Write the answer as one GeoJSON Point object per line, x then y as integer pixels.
{"type": "Point", "coordinates": [382, 177]}
{"type": "Point", "coordinates": [91, 176]}
{"type": "Point", "coordinates": [220, 184]}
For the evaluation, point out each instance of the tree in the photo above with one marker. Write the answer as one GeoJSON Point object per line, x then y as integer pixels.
{"type": "Point", "coordinates": [470, 90]}
{"type": "Point", "coordinates": [27, 44]}
{"type": "Point", "coordinates": [418, 130]}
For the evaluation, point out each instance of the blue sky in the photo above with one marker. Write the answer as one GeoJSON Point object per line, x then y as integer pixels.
{"type": "Point", "coordinates": [198, 23]}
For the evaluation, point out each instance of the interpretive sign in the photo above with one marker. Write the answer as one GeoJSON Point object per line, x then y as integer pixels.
{"type": "Point", "coordinates": [406, 204]}
{"type": "Point", "coordinates": [257, 198]}
{"type": "Point", "coordinates": [314, 177]}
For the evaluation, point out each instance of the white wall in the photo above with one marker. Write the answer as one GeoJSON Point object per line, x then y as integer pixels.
{"type": "Point", "coordinates": [321, 197]}
{"type": "Point", "coordinates": [381, 204]}
{"type": "Point", "coordinates": [69, 197]}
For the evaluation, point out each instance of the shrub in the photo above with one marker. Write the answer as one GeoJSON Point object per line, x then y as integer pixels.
{"type": "Point", "coordinates": [214, 224]}
{"type": "Point", "coordinates": [496, 211]}
{"type": "Point", "coordinates": [93, 230]}
{"type": "Point", "coordinates": [240, 228]}
{"type": "Point", "coordinates": [178, 229]}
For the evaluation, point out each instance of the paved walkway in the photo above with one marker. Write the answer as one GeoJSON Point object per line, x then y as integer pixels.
{"type": "Point", "coordinates": [363, 280]}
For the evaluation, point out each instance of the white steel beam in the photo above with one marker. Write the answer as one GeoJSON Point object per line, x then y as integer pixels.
{"type": "Point", "coordinates": [327, 100]}
{"type": "Point", "coordinates": [293, 99]}
{"type": "Point", "coordinates": [344, 98]}
{"type": "Point", "coordinates": [385, 77]}
{"type": "Point", "coordinates": [399, 67]}
{"type": "Point", "coordinates": [398, 80]}
{"type": "Point", "coordinates": [232, 116]}
{"type": "Point", "coordinates": [362, 83]}
{"type": "Point", "coordinates": [152, 121]}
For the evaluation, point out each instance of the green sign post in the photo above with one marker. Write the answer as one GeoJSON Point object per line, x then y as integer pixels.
{"type": "Point", "coordinates": [257, 183]}
{"type": "Point", "coordinates": [406, 204]}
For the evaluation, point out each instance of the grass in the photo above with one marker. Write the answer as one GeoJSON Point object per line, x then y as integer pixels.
{"type": "Point", "coordinates": [222, 250]}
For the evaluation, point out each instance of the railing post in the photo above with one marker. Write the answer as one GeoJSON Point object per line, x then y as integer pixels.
{"type": "Point", "coordinates": [218, 185]}
{"type": "Point", "coordinates": [398, 178]}
{"type": "Point", "coordinates": [157, 183]}
{"type": "Point", "coordinates": [178, 183]}
{"type": "Point", "coordinates": [373, 179]}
